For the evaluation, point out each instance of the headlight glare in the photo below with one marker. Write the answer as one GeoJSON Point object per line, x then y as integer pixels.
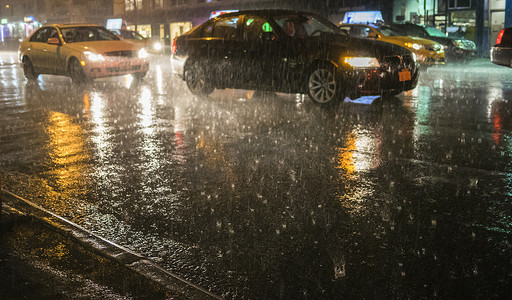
{"type": "Point", "coordinates": [157, 46]}
{"type": "Point", "coordinates": [91, 56]}
{"type": "Point", "coordinates": [362, 62]}
{"type": "Point", "coordinates": [143, 53]}
{"type": "Point", "coordinates": [413, 45]}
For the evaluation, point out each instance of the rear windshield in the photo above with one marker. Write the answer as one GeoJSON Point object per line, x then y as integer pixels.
{"type": "Point", "coordinates": [87, 34]}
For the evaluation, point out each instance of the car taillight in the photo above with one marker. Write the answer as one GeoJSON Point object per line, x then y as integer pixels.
{"type": "Point", "coordinates": [500, 36]}
{"type": "Point", "coordinates": [174, 46]}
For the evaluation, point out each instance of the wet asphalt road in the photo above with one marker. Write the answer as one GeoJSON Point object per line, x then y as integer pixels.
{"type": "Point", "coordinates": [269, 197]}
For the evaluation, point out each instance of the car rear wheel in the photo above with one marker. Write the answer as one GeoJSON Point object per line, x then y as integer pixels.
{"type": "Point", "coordinates": [28, 69]}
{"type": "Point", "coordinates": [323, 87]}
{"type": "Point", "coordinates": [76, 72]}
{"type": "Point", "coordinates": [197, 81]}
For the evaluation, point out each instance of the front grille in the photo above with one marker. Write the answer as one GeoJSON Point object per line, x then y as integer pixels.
{"type": "Point", "coordinates": [434, 47]}
{"type": "Point", "coordinates": [117, 69]}
{"type": "Point", "coordinates": [396, 63]}
{"type": "Point", "coordinates": [123, 53]}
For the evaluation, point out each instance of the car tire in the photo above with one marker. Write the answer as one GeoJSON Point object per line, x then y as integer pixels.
{"type": "Point", "coordinates": [28, 69]}
{"type": "Point", "coordinates": [76, 72]}
{"type": "Point", "coordinates": [323, 86]}
{"type": "Point", "coordinates": [197, 80]}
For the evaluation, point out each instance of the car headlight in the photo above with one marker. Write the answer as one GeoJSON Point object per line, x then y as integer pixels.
{"type": "Point", "coordinates": [91, 56]}
{"type": "Point", "coordinates": [413, 46]}
{"type": "Point", "coordinates": [157, 46]}
{"type": "Point", "coordinates": [143, 53]}
{"type": "Point", "coordinates": [362, 62]}
{"type": "Point", "coordinates": [464, 44]}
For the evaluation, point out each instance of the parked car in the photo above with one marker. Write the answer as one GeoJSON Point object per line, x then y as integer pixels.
{"type": "Point", "coordinates": [135, 37]}
{"type": "Point", "coordinates": [289, 51]}
{"type": "Point", "coordinates": [457, 49]}
{"type": "Point", "coordinates": [83, 52]}
{"type": "Point", "coordinates": [427, 52]}
{"type": "Point", "coordinates": [501, 53]}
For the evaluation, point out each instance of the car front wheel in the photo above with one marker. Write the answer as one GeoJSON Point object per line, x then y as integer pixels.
{"type": "Point", "coordinates": [197, 81]}
{"type": "Point", "coordinates": [28, 69]}
{"type": "Point", "coordinates": [323, 87]}
{"type": "Point", "coordinates": [76, 72]}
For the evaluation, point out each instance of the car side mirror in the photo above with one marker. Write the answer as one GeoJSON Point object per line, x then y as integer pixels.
{"type": "Point", "coordinates": [268, 36]}
{"type": "Point", "coordinates": [53, 41]}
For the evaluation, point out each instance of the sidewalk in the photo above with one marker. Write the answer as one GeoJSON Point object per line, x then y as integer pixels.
{"type": "Point", "coordinates": [43, 256]}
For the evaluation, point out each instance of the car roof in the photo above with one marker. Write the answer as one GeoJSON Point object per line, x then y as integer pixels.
{"type": "Point", "coordinates": [74, 25]}
{"type": "Point", "coordinates": [267, 12]}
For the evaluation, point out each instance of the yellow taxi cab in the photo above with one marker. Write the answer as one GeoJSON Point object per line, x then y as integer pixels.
{"type": "Point", "coordinates": [81, 51]}
{"type": "Point", "coordinates": [427, 52]}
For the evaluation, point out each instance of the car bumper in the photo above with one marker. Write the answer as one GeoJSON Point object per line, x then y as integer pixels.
{"type": "Point", "coordinates": [116, 67]}
{"type": "Point", "coordinates": [381, 82]}
{"type": "Point", "coordinates": [178, 65]}
{"type": "Point", "coordinates": [501, 56]}
{"type": "Point", "coordinates": [431, 59]}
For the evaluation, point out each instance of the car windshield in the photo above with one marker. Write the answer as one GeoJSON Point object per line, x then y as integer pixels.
{"type": "Point", "coordinates": [130, 35]}
{"type": "Point", "coordinates": [413, 30]}
{"type": "Point", "coordinates": [387, 30]}
{"type": "Point", "coordinates": [87, 34]}
{"type": "Point", "coordinates": [305, 25]}
{"type": "Point", "coordinates": [432, 31]}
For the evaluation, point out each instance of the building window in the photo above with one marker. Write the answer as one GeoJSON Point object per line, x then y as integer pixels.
{"type": "Point", "coordinates": [132, 4]}
{"type": "Point", "coordinates": [454, 4]}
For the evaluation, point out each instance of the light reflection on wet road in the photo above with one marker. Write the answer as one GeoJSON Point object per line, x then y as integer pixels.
{"type": "Point", "coordinates": [273, 196]}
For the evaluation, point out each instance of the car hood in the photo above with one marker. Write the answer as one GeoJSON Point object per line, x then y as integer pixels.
{"type": "Point", "coordinates": [407, 39]}
{"type": "Point", "coordinates": [365, 47]}
{"type": "Point", "coordinates": [105, 46]}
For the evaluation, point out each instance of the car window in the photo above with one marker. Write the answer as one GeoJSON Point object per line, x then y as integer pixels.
{"type": "Point", "coordinates": [40, 36]}
{"type": "Point", "coordinates": [226, 28]}
{"type": "Point", "coordinates": [359, 31]}
{"type": "Point", "coordinates": [304, 25]}
{"type": "Point", "coordinates": [390, 31]}
{"type": "Point", "coordinates": [412, 30]}
{"type": "Point", "coordinates": [254, 28]}
{"type": "Point", "coordinates": [52, 33]}
{"type": "Point", "coordinates": [87, 34]}
{"type": "Point", "coordinates": [432, 31]}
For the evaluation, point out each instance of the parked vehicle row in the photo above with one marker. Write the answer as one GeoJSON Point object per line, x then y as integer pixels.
{"type": "Point", "coordinates": [293, 52]}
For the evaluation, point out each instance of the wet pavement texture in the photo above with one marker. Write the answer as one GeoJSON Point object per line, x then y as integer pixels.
{"type": "Point", "coordinates": [271, 196]}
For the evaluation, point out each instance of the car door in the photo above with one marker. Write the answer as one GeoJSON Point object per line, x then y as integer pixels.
{"type": "Point", "coordinates": [224, 50]}
{"type": "Point", "coordinates": [35, 47]}
{"type": "Point", "coordinates": [270, 57]}
{"type": "Point", "coordinates": [259, 63]}
{"type": "Point", "coordinates": [51, 53]}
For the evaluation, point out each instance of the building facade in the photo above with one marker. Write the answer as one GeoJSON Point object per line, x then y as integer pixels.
{"type": "Point", "coordinates": [19, 18]}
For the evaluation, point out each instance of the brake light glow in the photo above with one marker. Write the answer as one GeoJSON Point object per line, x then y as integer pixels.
{"type": "Point", "coordinates": [174, 47]}
{"type": "Point", "coordinates": [500, 36]}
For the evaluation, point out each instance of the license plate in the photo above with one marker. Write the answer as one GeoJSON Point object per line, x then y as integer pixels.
{"type": "Point", "coordinates": [404, 75]}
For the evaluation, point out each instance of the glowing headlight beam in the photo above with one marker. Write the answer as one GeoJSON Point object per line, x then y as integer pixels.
{"type": "Point", "coordinates": [91, 56]}
{"type": "Point", "coordinates": [362, 62]}
{"type": "Point", "coordinates": [143, 53]}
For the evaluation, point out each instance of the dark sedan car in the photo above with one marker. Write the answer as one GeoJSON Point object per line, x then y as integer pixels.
{"type": "Point", "coordinates": [292, 52]}
{"type": "Point", "coordinates": [501, 53]}
{"type": "Point", "coordinates": [454, 49]}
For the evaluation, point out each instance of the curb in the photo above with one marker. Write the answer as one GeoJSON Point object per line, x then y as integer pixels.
{"type": "Point", "coordinates": [133, 261]}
